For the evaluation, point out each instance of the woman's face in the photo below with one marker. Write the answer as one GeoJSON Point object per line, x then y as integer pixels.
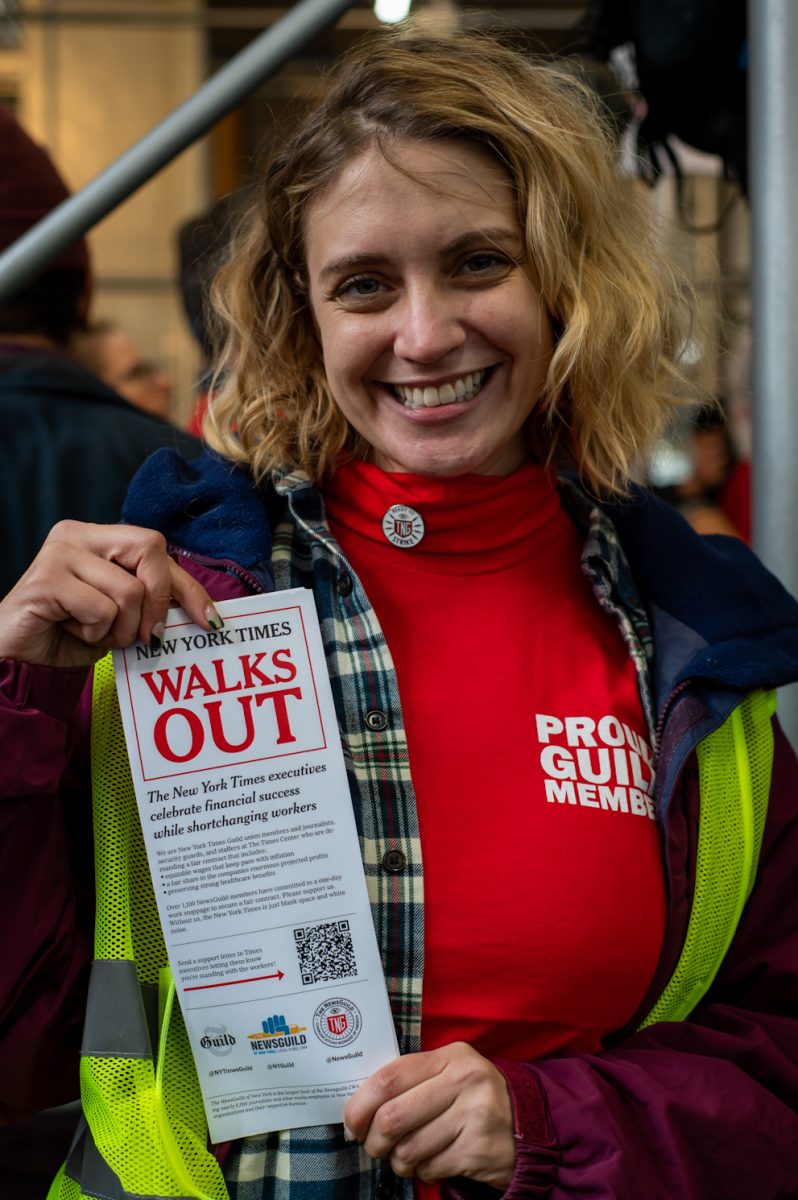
{"type": "Point", "coordinates": [434, 338]}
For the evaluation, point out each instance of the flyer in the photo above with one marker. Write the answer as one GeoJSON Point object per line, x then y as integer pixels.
{"type": "Point", "coordinates": [255, 859]}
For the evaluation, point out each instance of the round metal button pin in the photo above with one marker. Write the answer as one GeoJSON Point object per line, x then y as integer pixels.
{"type": "Point", "coordinates": [403, 526]}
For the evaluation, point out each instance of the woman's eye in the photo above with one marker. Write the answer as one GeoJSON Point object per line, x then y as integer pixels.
{"type": "Point", "coordinates": [486, 262]}
{"type": "Point", "coordinates": [359, 287]}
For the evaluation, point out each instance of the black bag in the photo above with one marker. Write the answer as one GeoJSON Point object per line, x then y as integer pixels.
{"type": "Point", "coordinates": [691, 59]}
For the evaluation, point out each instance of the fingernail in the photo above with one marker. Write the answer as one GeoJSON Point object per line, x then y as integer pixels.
{"type": "Point", "coordinates": [156, 637]}
{"type": "Point", "coordinates": [348, 1135]}
{"type": "Point", "coordinates": [213, 618]}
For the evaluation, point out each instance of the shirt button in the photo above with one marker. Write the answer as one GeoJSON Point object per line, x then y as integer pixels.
{"type": "Point", "coordinates": [376, 720]}
{"type": "Point", "coordinates": [394, 862]}
{"type": "Point", "coordinates": [386, 1190]}
{"type": "Point", "coordinates": [344, 583]}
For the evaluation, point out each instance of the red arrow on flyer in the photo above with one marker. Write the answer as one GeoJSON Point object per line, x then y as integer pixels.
{"type": "Point", "coordinates": [201, 987]}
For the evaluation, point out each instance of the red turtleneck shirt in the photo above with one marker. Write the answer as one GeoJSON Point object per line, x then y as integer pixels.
{"type": "Point", "coordinates": [544, 900]}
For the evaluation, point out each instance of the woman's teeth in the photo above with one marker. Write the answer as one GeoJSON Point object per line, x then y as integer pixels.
{"type": "Point", "coordinates": [461, 389]}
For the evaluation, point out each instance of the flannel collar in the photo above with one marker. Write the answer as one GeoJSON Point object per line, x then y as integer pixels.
{"type": "Point", "coordinates": [607, 567]}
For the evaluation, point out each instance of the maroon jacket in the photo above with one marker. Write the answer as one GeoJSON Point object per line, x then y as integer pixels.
{"type": "Point", "coordinates": [706, 1108]}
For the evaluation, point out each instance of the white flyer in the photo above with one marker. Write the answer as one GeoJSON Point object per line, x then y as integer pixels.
{"type": "Point", "coordinates": [255, 859]}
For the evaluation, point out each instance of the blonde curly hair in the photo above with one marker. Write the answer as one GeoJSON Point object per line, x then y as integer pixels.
{"type": "Point", "coordinates": [618, 307]}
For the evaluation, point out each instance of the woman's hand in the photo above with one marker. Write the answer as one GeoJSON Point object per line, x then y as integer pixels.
{"type": "Point", "coordinates": [91, 588]}
{"type": "Point", "coordinates": [436, 1115]}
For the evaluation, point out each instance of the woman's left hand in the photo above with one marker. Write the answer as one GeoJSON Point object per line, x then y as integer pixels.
{"type": "Point", "coordinates": [436, 1115]}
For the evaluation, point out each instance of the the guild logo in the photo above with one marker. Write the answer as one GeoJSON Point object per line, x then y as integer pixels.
{"type": "Point", "coordinates": [337, 1022]}
{"type": "Point", "coordinates": [217, 1040]}
{"type": "Point", "coordinates": [403, 526]}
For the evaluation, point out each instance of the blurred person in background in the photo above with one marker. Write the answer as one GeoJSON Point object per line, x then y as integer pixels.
{"type": "Point", "coordinates": [107, 350]}
{"type": "Point", "coordinates": [70, 444]}
{"type": "Point", "coordinates": [203, 244]}
{"type": "Point", "coordinates": [717, 496]}
{"type": "Point", "coordinates": [713, 491]}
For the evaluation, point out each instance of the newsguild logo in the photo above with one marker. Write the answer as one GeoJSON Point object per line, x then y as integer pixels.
{"type": "Point", "coordinates": [337, 1022]}
{"type": "Point", "coordinates": [276, 1034]}
{"type": "Point", "coordinates": [217, 1040]}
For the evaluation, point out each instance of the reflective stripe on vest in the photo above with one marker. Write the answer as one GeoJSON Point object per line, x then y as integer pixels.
{"type": "Point", "coordinates": [145, 1133]}
{"type": "Point", "coordinates": [146, 1136]}
{"type": "Point", "coordinates": [734, 769]}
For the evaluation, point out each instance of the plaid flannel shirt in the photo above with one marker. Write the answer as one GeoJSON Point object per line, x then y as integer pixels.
{"type": "Point", "coordinates": [316, 1163]}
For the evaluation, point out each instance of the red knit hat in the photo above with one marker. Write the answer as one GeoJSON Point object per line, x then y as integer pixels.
{"type": "Point", "coordinates": [30, 187]}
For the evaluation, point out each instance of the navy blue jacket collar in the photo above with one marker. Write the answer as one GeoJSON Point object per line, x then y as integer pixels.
{"type": "Point", "coordinates": [712, 602]}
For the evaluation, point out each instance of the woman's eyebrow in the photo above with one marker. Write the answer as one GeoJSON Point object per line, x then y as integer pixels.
{"type": "Point", "coordinates": [503, 234]}
{"type": "Point", "coordinates": [351, 262]}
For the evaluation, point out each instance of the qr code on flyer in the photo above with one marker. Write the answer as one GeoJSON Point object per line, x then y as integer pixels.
{"type": "Point", "coordinates": [325, 952]}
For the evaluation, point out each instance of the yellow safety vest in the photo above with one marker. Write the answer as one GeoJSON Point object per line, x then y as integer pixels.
{"type": "Point", "coordinates": [145, 1134]}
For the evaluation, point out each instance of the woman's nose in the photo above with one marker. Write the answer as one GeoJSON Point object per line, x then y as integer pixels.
{"type": "Point", "coordinates": [429, 325]}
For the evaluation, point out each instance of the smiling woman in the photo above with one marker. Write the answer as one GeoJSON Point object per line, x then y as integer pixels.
{"type": "Point", "coordinates": [450, 337]}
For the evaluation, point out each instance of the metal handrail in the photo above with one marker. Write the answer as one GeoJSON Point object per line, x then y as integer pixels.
{"type": "Point", "coordinates": [23, 260]}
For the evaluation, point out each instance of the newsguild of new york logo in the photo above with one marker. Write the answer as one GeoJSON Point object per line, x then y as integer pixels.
{"type": "Point", "coordinates": [276, 1034]}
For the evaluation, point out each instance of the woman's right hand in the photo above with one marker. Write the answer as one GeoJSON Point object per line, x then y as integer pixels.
{"type": "Point", "coordinates": [94, 587]}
